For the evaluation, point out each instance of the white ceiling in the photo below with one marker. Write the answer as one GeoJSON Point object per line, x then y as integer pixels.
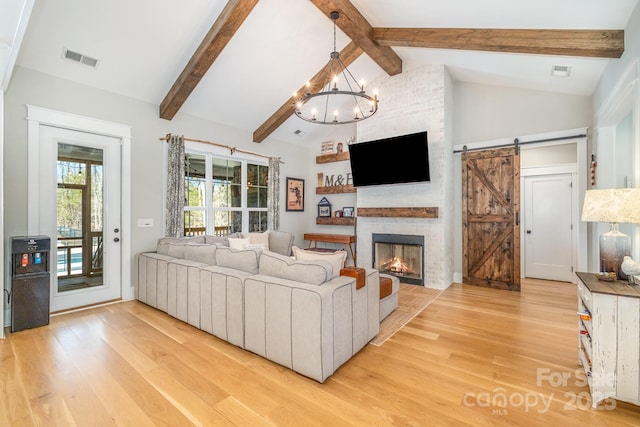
{"type": "Point", "coordinates": [143, 45]}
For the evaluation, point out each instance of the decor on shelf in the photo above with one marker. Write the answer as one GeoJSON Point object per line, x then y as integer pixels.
{"type": "Point", "coordinates": [617, 205]}
{"type": "Point", "coordinates": [326, 147]}
{"type": "Point", "coordinates": [348, 212]}
{"type": "Point", "coordinates": [632, 269]}
{"type": "Point", "coordinates": [332, 105]}
{"type": "Point", "coordinates": [295, 194]}
{"type": "Point", "coordinates": [324, 208]}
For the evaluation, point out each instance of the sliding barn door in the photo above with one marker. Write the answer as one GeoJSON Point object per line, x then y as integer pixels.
{"type": "Point", "coordinates": [490, 218]}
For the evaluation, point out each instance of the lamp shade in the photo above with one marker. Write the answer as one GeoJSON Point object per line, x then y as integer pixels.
{"type": "Point", "coordinates": [615, 205]}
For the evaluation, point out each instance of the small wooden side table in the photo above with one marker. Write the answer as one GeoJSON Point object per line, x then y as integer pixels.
{"type": "Point", "coordinates": [346, 240]}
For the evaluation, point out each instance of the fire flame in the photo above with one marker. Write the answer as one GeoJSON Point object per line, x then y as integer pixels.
{"type": "Point", "coordinates": [397, 265]}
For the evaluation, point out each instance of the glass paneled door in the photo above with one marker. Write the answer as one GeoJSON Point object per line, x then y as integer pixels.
{"type": "Point", "coordinates": [80, 217]}
{"type": "Point", "coordinates": [83, 218]}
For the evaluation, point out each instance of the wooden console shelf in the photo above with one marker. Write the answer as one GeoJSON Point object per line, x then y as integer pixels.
{"type": "Point", "coordinates": [346, 240]}
{"type": "Point", "coordinates": [333, 157]}
{"type": "Point", "coordinates": [321, 220]}
{"type": "Point", "coordinates": [608, 338]}
{"type": "Point", "coordinates": [336, 189]}
{"type": "Point", "coordinates": [399, 212]}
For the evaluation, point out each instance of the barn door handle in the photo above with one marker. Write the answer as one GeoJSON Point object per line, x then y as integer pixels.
{"type": "Point", "coordinates": [517, 218]}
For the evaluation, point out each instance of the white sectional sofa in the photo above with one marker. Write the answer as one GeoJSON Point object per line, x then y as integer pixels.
{"type": "Point", "coordinates": [299, 313]}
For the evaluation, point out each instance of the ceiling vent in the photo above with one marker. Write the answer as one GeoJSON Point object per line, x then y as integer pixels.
{"type": "Point", "coordinates": [560, 71]}
{"type": "Point", "coordinates": [80, 58]}
{"type": "Point", "coordinates": [298, 132]}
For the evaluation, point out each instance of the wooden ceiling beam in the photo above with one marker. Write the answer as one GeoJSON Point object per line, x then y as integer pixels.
{"type": "Point", "coordinates": [585, 43]}
{"type": "Point", "coordinates": [349, 54]}
{"type": "Point", "coordinates": [354, 25]}
{"type": "Point", "coordinates": [223, 29]}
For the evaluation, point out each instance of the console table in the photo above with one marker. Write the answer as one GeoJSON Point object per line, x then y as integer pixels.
{"type": "Point", "coordinates": [346, 240]}
{"type": "Point", "coordinates": [608, 331]}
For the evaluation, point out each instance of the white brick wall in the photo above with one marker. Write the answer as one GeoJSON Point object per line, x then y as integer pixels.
{"type": "Point", "coordinates": [411, 102]}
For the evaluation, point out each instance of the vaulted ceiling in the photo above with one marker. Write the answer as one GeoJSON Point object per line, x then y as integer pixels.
{"type": "Point", "coordinates": [237, 62]}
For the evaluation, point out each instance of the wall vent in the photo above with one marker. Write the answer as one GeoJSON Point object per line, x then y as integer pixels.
{"type": "Point", "coordinates": [560, 71]}
{"type": "Point", "coordinates": [80, 58]}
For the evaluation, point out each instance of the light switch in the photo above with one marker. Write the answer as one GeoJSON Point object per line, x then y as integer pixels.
{"type": "Point", "coordinates": [146, 222]}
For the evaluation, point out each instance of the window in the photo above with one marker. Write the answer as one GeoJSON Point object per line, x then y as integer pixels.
{"type": "Point", "coordinates": [224, 195]}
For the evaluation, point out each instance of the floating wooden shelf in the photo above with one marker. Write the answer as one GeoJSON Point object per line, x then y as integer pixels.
{"type": "Point", "coordinates": [399, 212]}
{"type": "Point", "coordinates": [321, 220]}
{"type": "Point", "coordinates": [336, 189]}
{"type": "Point", "coordinates": [333, 157]}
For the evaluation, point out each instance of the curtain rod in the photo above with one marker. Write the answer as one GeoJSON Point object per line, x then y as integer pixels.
{"type": "Point", "coordinates": [517, 142]}
{"type": "Point", "coordinates": [228, 147]}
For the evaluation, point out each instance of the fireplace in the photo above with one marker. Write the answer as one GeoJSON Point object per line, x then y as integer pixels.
{"type": "Point", "coordinates": [400, 255]}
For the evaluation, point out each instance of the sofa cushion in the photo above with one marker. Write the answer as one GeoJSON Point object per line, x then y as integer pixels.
{"type": "Point", "coordinates": [238, 243]}
{"type": "Point", "coordinates": [336, 259]}
{"type": "Point", "coordinates": [200, 252]}
{"type": "Point", "coordinates": [221, 240]}
{"type": "Point", "coordinates": [165, 242]}
{"type": "Point", "coordinates": [175, 250]}
{"type": "Point", "coordinates": [280, 242]}
{"type": "Point", "coordinates": [240, 259]}
{"type": "Point", "coordinates": [284, 267]}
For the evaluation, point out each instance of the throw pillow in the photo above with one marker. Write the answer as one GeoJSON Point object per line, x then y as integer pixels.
{"type": "Point", "coordinates": [235, 243]}
{"type": "Point", "coordinates": [258, 239]}
{"type": "Point", "coordinates": [336, 259]}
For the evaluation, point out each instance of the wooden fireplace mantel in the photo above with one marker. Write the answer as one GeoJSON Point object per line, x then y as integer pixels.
{"type": "Point", "coordinates": [423, 212]}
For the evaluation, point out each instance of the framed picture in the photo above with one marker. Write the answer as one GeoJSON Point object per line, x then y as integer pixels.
{"type": "Point", "coordinates": [295, 194]}
{"type": "Point", "coordinates": [347, 212]}
{"type": "Point", "coordinates": [324, 208]}
{"type": "Point", "coordinates": [324, 211]}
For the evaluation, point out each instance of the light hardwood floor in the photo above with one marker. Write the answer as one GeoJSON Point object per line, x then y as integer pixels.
{"type": "Point", "coordinates": [129, 364]}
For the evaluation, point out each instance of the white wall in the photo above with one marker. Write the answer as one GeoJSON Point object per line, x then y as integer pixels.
{"type": "Point", "coordinates": [34, 88]}
{"type": "Point", "coordinates": [616, 68]}
{"type": "Point", "coordinates": [2, 241]}
{"type": "Point", "coordinates": [486, 113]}
{"type": "Point", "coordinates": [616, 134]}
{"type": "Point", "coordinates": [415, 100]}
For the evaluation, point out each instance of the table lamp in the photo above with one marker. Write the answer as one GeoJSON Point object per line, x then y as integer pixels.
{"type": "Point", "coordinates": [616, 205]}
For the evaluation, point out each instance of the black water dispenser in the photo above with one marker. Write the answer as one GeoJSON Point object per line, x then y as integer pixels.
{"type": "Point", "coordinates": [30, 284]}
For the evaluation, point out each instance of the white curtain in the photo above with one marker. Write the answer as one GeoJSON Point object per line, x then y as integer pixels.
{"type": "Point", "coordinates": [273, 202]}
{"type": "Point", "coordinates": [174, 224]}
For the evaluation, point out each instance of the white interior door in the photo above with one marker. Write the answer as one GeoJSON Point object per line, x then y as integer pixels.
{"type": "Point", "coordinates": [548, 233]}
{"type": "Point", "coordinates": [103, 223]}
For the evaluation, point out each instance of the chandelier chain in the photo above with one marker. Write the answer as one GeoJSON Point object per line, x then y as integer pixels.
{"type": "Point", "coordinates": [327, 106]}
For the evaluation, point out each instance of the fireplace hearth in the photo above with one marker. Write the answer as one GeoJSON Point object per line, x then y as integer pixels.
{"type": "Point", "coordinates": [400, 255]}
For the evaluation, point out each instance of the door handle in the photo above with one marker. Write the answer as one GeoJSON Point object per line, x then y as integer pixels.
{"type": "Point", "coordinates": [528, 231]}
{"type": "Point", "coordinates": [116, 239]}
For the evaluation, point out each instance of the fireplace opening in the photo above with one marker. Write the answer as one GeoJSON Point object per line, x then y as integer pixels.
{"type": "Point", "coordinates": [400, 255]}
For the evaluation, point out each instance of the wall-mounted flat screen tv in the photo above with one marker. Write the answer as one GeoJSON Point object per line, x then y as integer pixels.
{"type": "Point", "coordinates": [400, 159]}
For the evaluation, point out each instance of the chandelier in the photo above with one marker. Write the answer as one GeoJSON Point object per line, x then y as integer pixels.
{"type": "Point", "coordinates": [333, 105]}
